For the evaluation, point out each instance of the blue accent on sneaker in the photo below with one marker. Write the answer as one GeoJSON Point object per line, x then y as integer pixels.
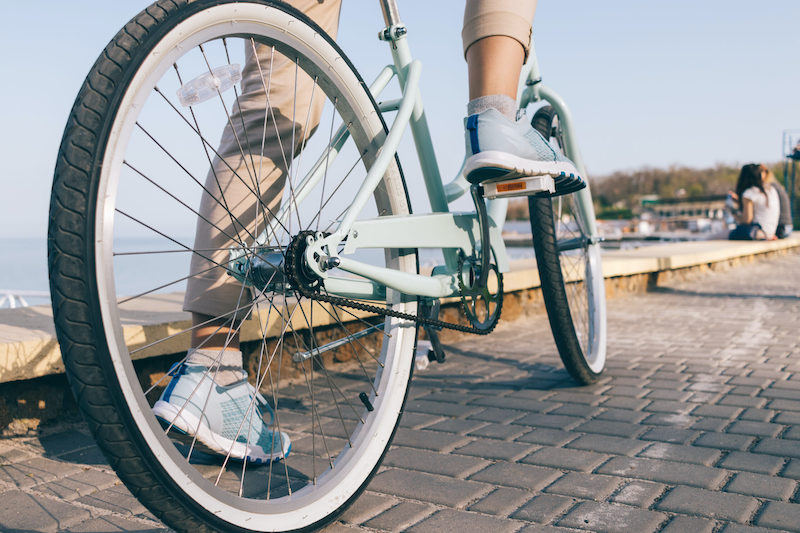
{"type": "Point", "coordinates": [176, 370]}
{"type": "Point", "coordinates": [472, 127]}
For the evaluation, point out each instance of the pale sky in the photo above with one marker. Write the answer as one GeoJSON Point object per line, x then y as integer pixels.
{"type": "Point", "coordinates": [688, 82]}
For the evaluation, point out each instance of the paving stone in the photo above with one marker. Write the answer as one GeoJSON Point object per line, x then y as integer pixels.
{"type": "Point", "coordinates": [498, 431]}
{"type": "Point", "coordinates": [24, 512]}
{"type": "Point", "coordinates": [606, 427]}
{"type": "Point", "coordinates": [671, 395]}
{"type": "Point", "coordinates": [792, 470]}
{"type": "Point", "coordinates": [758, 429]}
{"type": "Point", "coordinates": [456, 425]}
{"type": "Point", "coordinates": [783, 405]}
{"type": "Point", "coordinates": [501, 502]}
{"type": "Point", "coordinates": [633, 392]}
{"type": "Point", "coordinates": [787, 417]}
{"type": "Point", "coordinates": [625, 403]}
{"type": "Point", "coordinates": [711, 425]}
{"type": "Point", "coordinates": [543, 508]}
{"type": "Point", "coordinates": [679, 420]}
{"type": "Point", "coordinates": [585, 486]}
{"type": "Point", "coordinates": [639, 493]}
{"type": "Point", "coordinates": [720, 505]}
{"type": "Point", "coordinates": [621, 415]}
{"type": "Point", "coordinates": [427, 487]}
{"type": "Point", "coordinates": [575, 397]}
{"type": "Point", "coordinates": [724, 441]}
{"type": "Point", "coordinates": [779, 515]}
{"type": "Point", "coordinates": [743, 401]}
{"type": "Point", "coordinates": [576, 409]}
{"type": "Point", "coordinates": [717, 411]}
{"type": "Point", "coordinates": [668, 406]}
{"type": "Point", "coordinates": [34, 471]}
{"type": "Point", "coordinates": [518, 404]}
{"type": "Point", "coordinates": [440, 408]}
{"type": "Point", "coordinates": [548, 436]}
{"type": "Point", "coordinates": [65, 441]}
{"type": "Point", "coordinates": [79, 484]}
{"type": "Point", "coordinates": [452, 521]}
{"type": "Point", "coordinates": [684, 454]}
{"type": "Point", "coordinates": [496, 415]}
{"type": "Point", "coordinates": [428, 440]}
{"type": "Point", "coordinates": [549, 421]}
{"type": "Point", "coordinates": [565, 458]}
{"type": "Point", "coordinates": [117, 499]}
{"type": "Point", "coordinates": [752, 462]}
{"type": "Point", "coordinates": [664, 471]}
{"type": "Point", "coordinates": [516, 475]}
{"type": "Point", "coordinates": [112, 523]}
{"type": "Point", "coordinates": [495, 449]}
{"type": "Point", "coordinates": [451, 464]}
{"type": "Point", "coordinates": [367, 506]}
{"type": "Point", "coordinates": [762, 486]}
{"type": "Point", "coordinates": [400, 517]}
{"type": "Point", "coordinates": [671, 435]}
{"type": "Point", "coordinates": [418, 420]}
{"type": "Point", "coordinates": [757, 415]}
{"type": "Point", "coordinates": [609, 518]}
{"type": "Point", "coordinates": [686, 524]}
{"type": "Point", "coordinates": [11, 454]}
{"type": "Point", "coordinates": [607, 444]}
{"type": "Point", "coordinates": [739, 528]}
{"type": "Point", "coordinates": [87, 456]}
{"type": "Point", "coordinates": [792, 433]}
{"type": "Point", "coordinates": [785, 448]}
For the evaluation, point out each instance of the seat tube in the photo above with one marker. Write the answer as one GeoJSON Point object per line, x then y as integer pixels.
{"type": "Point", "coordinates": [423, 143]}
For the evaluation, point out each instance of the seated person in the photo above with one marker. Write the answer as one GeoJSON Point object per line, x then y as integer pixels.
{"type": "Point", "coordinates": [759, 204]}
{"type": "Point", "coordinates": [785, 221]}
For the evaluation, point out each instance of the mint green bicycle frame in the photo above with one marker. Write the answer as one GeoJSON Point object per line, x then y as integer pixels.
{"type": "Point", "coordinates": [441, 228]}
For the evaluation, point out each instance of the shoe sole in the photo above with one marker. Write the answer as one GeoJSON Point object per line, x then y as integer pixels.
{"type": "Point", "coordinates": [208, 441]}
{"type": "Point", "coordinates": [491, 166]}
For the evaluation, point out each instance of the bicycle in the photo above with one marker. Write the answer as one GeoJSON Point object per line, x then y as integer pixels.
{"type": "Point", "coordinates": [332, 270]}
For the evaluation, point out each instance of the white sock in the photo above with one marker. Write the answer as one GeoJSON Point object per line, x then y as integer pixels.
{"type": "Point", "coordinates": [230, 364]}
{"type": "Point", "coordinates": [505, 104]}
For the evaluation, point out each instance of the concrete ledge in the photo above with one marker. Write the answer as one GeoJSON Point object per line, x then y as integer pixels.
{"type": "Point", "coordinates": [28, 347]}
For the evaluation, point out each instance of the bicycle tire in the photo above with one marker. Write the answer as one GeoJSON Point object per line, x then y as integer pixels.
{"type": "Point", "coordinates": [86, 306]}
{"type": "Point", "coordinates": [575, 306]}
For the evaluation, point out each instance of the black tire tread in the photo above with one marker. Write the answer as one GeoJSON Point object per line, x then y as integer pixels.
{"type": "Point", "coordinates": [548, 262]}
{"type": "Point", "coordinates": [70, 248]}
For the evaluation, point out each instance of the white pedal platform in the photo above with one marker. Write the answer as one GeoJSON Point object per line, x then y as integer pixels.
{"type": "Point", "coordinates": [525, 186]}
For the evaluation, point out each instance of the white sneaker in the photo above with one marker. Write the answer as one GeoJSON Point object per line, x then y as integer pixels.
{"type": "Point", "coordinates": [225, 419]}
{"type": "Point", "coordinates": [499, 149]}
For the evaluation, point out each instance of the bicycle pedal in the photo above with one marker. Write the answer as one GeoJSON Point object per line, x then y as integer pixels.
{"type": "Point", "coordinates": [522, 186]}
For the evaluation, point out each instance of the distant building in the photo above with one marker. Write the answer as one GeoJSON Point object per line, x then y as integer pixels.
{"type": "Point", "coordinates": [699, 213]}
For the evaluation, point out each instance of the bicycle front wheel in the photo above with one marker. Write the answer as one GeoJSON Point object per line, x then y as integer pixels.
{"type": "Point", "coordinates": [146, 204]}
{"type": "Point", "coordinates": [570, 271]}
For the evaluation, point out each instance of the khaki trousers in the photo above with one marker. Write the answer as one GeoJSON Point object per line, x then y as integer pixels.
{"type": "Point", "coordinates": [229, 209]}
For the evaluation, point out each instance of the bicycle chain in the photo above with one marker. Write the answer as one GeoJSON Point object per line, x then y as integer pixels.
{"type": "Point", "coordinates": [295, 278]}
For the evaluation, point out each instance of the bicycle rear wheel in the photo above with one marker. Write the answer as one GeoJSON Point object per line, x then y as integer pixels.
{"type": "Point", "coordinates": [123, 212]}
{"type": "Point", "coordinates": [570, 271]}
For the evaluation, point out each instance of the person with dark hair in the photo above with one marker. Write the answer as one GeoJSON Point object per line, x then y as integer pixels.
{"type": "Point", "coordinates": [759, 204]}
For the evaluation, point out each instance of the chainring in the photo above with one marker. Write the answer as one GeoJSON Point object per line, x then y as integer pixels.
{"type": "Point", "coordinates": [481, 307]}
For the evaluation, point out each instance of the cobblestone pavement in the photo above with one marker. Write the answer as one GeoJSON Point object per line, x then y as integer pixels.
{"type": "Point", "coordinates": [694, 428]}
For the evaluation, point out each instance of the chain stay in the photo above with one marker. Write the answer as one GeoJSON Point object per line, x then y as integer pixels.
{"type": "Point", "coordinates": [295, 246]}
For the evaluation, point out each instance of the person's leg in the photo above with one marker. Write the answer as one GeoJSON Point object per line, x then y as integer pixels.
{"type": "Point", "coordinates": [497, 39]}
{"type": "Point", "coordinates": [209, 389]}
{"type": "Point", "coordinates": [215, 299]}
